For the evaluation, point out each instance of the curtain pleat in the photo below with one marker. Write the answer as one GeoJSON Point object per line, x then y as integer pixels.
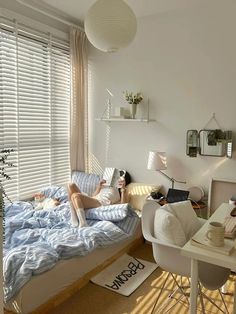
{"type": "Point", "coordinates": [79, 101]}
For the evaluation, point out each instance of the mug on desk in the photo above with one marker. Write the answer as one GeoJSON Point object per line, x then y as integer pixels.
{"type": "Point", "coordinates": [232, 200]}
{"type": "Point", "coordinates": [215, 233]}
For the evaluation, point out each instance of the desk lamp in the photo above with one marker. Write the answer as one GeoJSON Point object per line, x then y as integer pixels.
{"type": "Point", "coordinates": [157, 161]}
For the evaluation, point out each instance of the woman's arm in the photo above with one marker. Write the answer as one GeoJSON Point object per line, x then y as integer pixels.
{"type": "Point", "coordinates": [124, 197]}
{"type": "Point", "coordinates": [99, 187]}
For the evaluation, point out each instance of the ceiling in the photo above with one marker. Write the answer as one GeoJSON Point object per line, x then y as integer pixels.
{"type": "Point", "coordinates": [75, 10]}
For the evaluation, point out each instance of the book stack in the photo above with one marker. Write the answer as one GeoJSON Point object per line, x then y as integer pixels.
{"type": "Point", "coordinates": [230, 227]}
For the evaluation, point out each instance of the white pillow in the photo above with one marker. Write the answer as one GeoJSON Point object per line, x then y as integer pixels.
{"type": "Point", "coordinates": [168, 229]}
{"type": "Point", "coordinates": [187, 217]}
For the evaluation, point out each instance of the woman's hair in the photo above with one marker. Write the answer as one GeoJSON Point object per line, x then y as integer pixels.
{"type": "Point", "coordinates": [126, 176]}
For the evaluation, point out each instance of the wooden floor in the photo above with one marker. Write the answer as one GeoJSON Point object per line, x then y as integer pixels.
{"type": "Point", "coordinates": [93, 299]}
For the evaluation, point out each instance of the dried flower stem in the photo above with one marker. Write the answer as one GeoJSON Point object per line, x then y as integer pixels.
{"type": "Point", "coordinates": [133, 98]}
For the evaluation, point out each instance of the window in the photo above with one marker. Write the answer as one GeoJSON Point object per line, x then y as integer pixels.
{"type": "Point", "coordinates": [34, 109]}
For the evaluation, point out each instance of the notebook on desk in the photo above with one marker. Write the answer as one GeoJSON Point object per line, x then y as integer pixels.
{"type": "Point", "coordinates": [230, 227]}
{"type": "Point", "coordinates": [175, 195]}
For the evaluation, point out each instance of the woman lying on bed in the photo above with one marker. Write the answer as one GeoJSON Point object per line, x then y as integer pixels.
{"type": "Point", "coordinates": [102, 196]}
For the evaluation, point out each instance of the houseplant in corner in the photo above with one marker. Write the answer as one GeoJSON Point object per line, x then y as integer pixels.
{"type": "Point", "coordinates": [133, 100]}
{"type": "Point", "coordinates": [4, 164]}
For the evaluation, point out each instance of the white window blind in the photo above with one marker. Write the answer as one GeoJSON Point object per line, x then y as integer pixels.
{"type": "Point", "coordinates": [34, 109]}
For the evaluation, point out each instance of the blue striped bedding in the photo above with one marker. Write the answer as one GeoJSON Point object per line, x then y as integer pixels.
{"type": "Point", "coordinates": [36, 240]}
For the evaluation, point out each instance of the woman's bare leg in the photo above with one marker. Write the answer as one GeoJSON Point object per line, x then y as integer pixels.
{"type": "Point", "coordinates": [73, 188]}
{"type": "Point", "coordinates": [74, 217]}
{"type": "Point", "coordinates": [80, 203]}
{"type": "Point", "coordinates": [79, 209]}
{"type": "Point", "coordinates": [87, 201]}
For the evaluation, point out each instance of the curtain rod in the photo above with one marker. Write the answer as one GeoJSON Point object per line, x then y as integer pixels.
{"type": "Point", "coordinates": [50, 15]}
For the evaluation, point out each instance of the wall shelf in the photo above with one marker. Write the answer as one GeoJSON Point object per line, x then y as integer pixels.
{"type": "Point", "coordinates": [124, 120]}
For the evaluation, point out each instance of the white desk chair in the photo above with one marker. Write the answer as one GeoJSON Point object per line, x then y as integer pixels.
{"type": "Point", "coordinates": [220, 191]}
{"type": "Point", "coordinates": [168, 257]}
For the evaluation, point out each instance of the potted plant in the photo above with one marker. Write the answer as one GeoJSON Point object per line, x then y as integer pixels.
{"type": "Point", "coordinates": [4, 164]}
{"type": "Point", "coordinates": [133, 100]}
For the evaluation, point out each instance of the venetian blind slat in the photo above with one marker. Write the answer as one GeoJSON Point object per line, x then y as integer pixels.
{"type": "Point", "coordinates": [34, 110]}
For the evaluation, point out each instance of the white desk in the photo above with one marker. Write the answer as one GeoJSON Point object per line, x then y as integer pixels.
{"type": "Point", "coordinates": [198, 254]}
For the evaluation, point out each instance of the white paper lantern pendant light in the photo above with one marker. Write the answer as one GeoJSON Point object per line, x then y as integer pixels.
{"type": "Point", "coordinates": [110, 25]}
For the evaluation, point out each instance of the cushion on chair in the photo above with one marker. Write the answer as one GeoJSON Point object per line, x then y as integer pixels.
{"type": "Point", "coordinates": [187, 217]}
{"type": "Point", "coordinates": [167, 228]}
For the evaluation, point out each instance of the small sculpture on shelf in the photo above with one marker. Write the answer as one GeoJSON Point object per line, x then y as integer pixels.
{"type": "Point", "coordinates": [133, 100]}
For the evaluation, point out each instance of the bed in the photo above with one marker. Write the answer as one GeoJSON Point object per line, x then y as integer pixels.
{"type": "Point", "coordinates": [57, 278]}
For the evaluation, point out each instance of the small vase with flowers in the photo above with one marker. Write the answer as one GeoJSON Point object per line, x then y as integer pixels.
{"type": "Point", "coordinates": [133, 100]}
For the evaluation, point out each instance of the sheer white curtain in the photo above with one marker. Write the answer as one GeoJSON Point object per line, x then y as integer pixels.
{"type": "Point", "coordinates": [79, 116]}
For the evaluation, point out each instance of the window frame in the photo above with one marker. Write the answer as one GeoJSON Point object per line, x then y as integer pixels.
{"type": "Point", "coordinates": [51, 43]}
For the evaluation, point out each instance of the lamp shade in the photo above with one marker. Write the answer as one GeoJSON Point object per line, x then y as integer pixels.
{"type": "Point", "coordinates": [110, 25]}
{"type": "Point", "coordinates": [157, 161]}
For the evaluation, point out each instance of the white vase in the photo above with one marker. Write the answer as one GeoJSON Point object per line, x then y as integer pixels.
{"type": "Point", "coordinates": [133, 109]}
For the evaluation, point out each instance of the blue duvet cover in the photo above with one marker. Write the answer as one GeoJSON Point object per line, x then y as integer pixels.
{"type": "Point", "coordinates": [36, 240]}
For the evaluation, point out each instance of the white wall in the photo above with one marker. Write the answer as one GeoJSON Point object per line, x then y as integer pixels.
{"type": "Point", "coordinates": [185, 62]}
{"type": "Point", "coordinates": [27, 12]}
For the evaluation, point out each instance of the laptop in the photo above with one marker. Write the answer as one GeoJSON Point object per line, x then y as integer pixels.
{"type": "Point", "coordinates": [174, 195]}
